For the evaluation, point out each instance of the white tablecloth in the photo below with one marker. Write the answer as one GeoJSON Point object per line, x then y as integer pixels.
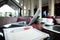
{"type": "Point", "coordinates": [30, 34]}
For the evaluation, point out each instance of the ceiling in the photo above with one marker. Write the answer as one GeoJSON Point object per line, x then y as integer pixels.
{"type": "Point", "coordinates": [15, 5]}
{"type": "Point", "coordinates": [1, 0]}
{"type": "Point", "coordinates": [44, 2]}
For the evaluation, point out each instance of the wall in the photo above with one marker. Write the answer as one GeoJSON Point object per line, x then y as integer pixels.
{"type": "Point", "coordinates": [6, 20]}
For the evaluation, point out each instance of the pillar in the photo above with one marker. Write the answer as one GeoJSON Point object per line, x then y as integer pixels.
{"type": "Point", "coordinates": [23, 8]}
{"type": "Point", "coordinates": [40, 6]}
{"type": "Point", "coordinates": [32, 7]}
{"type": "Point", "coordinates": [51, 7]}
{"type": "Point", "coordinates": [29, 8]}
{"type": "Point", "coordinates": [20, 8]}
{"type": "Point", "coordinates": [27, 4]}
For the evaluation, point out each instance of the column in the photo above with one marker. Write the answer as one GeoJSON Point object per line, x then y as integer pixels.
{"type": "Point", "coordinates": [32, 7]}
{"type": "Point", "coordinates": [51, 7]}
{"type": "Point", "coordinates": [29, 8]}
{"type": "Point", "coordinates": [27, 4]}
{"type": "Point", "coordinates": [23, 8]}
{"type": "Point", "coordinates": [40, 6]}
{"type": "Point", "coordinates": [20, 8]}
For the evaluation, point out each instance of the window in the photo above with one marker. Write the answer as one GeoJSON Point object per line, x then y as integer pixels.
{"type": "Point", "coordinates": [6, 10]}
{"type": "Point", "coordinates": [0, 13]}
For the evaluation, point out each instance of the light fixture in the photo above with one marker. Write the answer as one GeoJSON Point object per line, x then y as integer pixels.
{"type": "Point", "coordinates": [17, 1]}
